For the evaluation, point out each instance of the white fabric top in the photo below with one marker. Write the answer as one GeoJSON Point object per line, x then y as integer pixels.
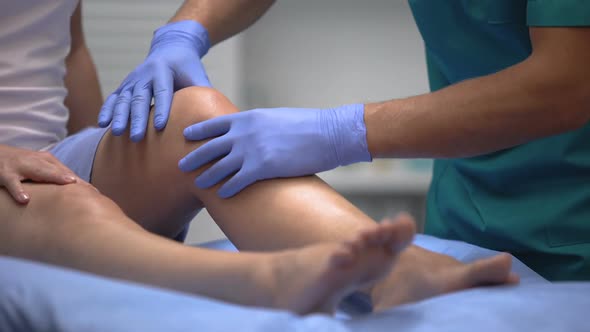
{"type": "Point", "coordinates": [34, 42]}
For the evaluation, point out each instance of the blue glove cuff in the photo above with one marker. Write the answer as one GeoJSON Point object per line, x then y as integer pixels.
{"type": "Point", "coordinates": [348, 134]}
{"type": "Point", "coordinates": [191, 31]}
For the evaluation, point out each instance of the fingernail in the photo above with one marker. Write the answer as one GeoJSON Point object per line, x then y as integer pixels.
{"type": "Point", "coordinates": [187, 131]}
{"type": "Point", "coordinates": [24, 197]}
{"type": "Point", "coordinates": [69, 178]}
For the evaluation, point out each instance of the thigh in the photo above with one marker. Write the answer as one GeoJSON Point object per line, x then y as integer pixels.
{"type": "Point", "coordinates": [77, 151]}
{"type": "Point", "coordinates": [55, 215]}
{"type": "Point", "coordinates": [90, 154]}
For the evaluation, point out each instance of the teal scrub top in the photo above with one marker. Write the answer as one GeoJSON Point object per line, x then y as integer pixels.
{"type": "Point", "coordinates": [532, 200]}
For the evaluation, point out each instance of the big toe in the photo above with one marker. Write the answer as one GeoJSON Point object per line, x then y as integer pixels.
{"type": "Point", "coordinates": [491, 271]}
{"type": "Point", "coordinates": [401, 232]}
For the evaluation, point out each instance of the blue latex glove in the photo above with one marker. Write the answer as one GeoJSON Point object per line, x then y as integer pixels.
{"type": "Point", "coordinates": [173, 63]}
{"type": "Point", "coordinates": [271, 143]}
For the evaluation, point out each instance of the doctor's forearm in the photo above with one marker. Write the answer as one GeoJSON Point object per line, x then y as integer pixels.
{"type": "Point", "coordinates": [223, 19]}
{"type": "Point", "coordinates": [541, 96]}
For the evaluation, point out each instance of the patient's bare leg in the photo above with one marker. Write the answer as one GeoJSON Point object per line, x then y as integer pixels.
{"type": "Point", "coordinates": [75, 226]}
{"type": "Point", "coordinates": [144, 180]}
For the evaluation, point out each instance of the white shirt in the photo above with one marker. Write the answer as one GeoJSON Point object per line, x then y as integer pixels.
{"type": "Point", "coordinates": [34, 42]}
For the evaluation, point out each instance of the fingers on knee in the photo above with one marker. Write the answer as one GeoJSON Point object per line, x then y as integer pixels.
{"type": "Point", "coordinates": [195, 104]}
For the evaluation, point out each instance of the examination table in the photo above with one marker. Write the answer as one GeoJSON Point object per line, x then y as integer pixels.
{"type": "Point", "coordinates": [37, 297]}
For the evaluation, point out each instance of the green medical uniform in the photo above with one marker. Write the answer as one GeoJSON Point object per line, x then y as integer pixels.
{"type": "Point", "coordinates": [532, 200]}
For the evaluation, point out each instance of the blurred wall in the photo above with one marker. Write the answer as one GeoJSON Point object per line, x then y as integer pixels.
{"type": "Point", "coordinates": [118, 33]}
{"type": "Point", "coordinates": [330, 52]}
{"type": "Point", "coordinates": [314, 53]}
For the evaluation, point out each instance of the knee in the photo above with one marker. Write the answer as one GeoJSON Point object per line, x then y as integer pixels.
{"type": "Point", "coordinates": [195, 104]}
{"type": "Point", "coordinates": [83, 201]}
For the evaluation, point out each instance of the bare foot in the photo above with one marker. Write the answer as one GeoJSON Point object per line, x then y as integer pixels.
{"type": "Point", "coordinates": [421, 274]}
{"type": "Point", "coordinates": [316, 278]}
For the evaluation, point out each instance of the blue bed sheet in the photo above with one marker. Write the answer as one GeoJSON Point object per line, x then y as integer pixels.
{"type": "Point", "coordinates": [37, 297]}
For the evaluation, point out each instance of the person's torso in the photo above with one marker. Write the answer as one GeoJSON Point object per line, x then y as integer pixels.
{"type": "Point", "coordinates": [532, 200]}
{"type": "Point", "coordinates": [34, 41]}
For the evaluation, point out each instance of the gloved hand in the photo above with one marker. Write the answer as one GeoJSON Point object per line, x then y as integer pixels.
{"type": "Point", "coordinates": [271, 143]}
{"type": "Point", "coordinates": [173, 63]}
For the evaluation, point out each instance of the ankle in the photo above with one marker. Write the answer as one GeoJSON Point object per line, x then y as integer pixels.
{"type": "Point", "coordinates": [266, 271]}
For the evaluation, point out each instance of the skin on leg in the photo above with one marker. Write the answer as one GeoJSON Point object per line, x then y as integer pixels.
{"type": "Point", "coordinates": [144, 179]}
{"type": "Point", "coordinates": [433, 274]}
{"type": "Point", "coordinates": [75, 226]}
{"type": "Point", "coordinates": [361, 260]}
{"type": "Point", "coordinates": [440, 275]}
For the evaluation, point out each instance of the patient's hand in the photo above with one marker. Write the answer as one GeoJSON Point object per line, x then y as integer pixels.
{"type": "Point", "coordinates": [17, 165]}
{"type": "Point", "coordinates": [421, 274]}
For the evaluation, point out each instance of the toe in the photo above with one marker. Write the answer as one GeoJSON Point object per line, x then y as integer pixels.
{"type": "Point", "coordinates": [343, 256]}
{"type": "Point", "coordinates": [401, 233]}
{"type": "Point", "coordinates": [490, 271]}
{"type": "Point", "coordinates": [386, 232]}
{"type": "Point", "coordinates": [374, 236]}
{"type": "Point", "coordinates": [354, 246]}
{"type": "Point", "coordinates": [513, 279]}
{"type": "Point", "coordinates": [367, 237]}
